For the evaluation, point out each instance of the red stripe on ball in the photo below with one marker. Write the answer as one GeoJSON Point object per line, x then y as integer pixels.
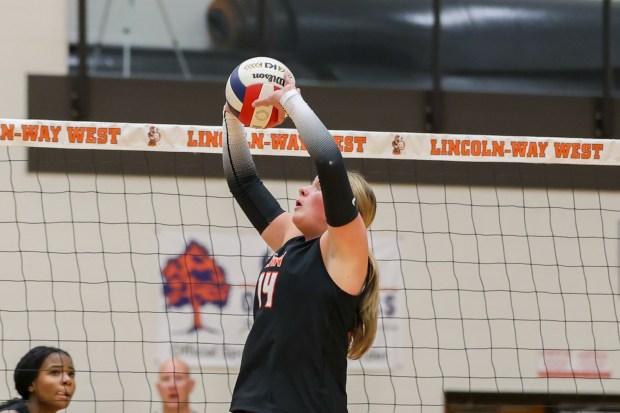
{"type": "Point", "coordinates": [273, 119]}
{"type": "Point", "coordinates": [252, 92]}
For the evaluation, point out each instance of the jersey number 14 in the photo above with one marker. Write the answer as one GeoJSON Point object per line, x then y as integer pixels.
{"type": "Point", "coordinates": [266, 286]}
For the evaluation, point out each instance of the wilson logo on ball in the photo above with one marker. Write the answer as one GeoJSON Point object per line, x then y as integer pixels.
{"type": "Point", "coordinates": [251, 80]}
{"type": "Point", "coordinates": [269, 78]}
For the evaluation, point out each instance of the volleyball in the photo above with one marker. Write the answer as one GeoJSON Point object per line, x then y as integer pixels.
{"type": "Point", "coordinates": [251, 80]}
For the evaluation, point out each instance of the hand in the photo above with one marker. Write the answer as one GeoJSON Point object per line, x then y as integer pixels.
{"type": "Point", "coordinates": [281, 113]}
{"type": "Point", "coordinates": [273, 99]}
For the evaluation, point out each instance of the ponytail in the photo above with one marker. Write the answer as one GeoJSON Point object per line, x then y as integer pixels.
{"type": "Point", "coordinates": [365, 329]}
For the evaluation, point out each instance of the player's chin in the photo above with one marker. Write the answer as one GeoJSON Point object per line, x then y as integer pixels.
{"type": "Point", "coordinates": [62, 402]}
{"type": "Point", "coordinates": [297, 218]}
{"type": "Point", "coordinates": [172, 405]}
{"type": "Point", "coordinates": [302, 224]}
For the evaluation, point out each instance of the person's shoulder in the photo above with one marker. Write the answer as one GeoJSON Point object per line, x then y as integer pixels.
{"type": "Point", "coordinates": [16, 406]}
{"type": "Point", "coordinates": [15, 409]}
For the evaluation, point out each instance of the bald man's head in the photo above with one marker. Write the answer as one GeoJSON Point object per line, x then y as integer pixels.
{"type": "Point", "coordinates": [175, 384]}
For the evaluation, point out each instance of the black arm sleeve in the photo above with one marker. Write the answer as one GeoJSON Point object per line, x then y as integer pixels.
{"type": "Point", "coordinates": [338, 196]}
{"type": "Point", "coordinates": [255, 200]}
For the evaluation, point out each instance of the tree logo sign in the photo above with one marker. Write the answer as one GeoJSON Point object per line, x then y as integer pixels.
{"type": "Point", "coordinates": [195, 278]}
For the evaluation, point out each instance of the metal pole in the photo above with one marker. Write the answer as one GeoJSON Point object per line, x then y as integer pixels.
{"type": "Point", "coordinates": [79, 85]}
{"type": "Point", "coordinates": [434, 101]}
{"type": "Point", "coordinates": [262, 27]}
{"type": "Point", "coordinates": [607, 125]}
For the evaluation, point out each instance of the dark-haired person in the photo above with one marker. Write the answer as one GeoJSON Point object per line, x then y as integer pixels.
{"type": "Point", "coordinates": [317, 297]}
{"type": "Point", "coordinates": [45, 380]}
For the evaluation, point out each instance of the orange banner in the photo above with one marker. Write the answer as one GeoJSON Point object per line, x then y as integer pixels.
{"type": "Point", "coordinates": [353, 144]}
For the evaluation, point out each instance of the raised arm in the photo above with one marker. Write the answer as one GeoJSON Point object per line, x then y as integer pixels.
{"type": "Point", "coordinates": [258, 204]}
{"type": "Point", "coordinates": [344, 245]}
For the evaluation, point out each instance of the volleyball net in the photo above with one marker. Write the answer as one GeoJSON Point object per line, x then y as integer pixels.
{"type": "Point", "coordinates": [122, 245]}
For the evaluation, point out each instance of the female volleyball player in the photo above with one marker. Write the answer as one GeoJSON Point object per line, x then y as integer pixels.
{"type": "Point", "coordinates": [317, 297]}
{"type": "Point", "coordinates": [45, 379]}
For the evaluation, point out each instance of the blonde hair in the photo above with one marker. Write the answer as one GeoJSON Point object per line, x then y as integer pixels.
{"type": "Point", "coordinates": [365, 328]}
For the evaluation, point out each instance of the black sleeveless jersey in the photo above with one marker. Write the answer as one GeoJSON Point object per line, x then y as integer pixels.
{"type": "Point", "coordinates": [295, 357]}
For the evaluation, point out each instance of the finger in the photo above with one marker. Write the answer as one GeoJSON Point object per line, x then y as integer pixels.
{"type": "Point", "coordinates": [259, 102]}
{"type": "Point", "coordinates": [287, 78]}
